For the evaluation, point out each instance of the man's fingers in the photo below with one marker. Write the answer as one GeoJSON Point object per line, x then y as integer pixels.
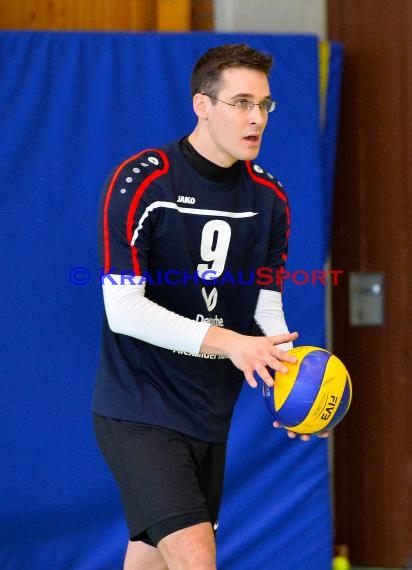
{"type": "Point", "coordinates": [250, 379]}
{"type": "Point", "coordinates": [323, 434]}
{"type": "Point", "coordinates": [286, 356]}
{"type": "Point", "coordinates": [290, 434]}
{"type": "Point", "coordinates": [270, 358]}
{"type": "Point", "coordinates": [278, 366]}
{"type": "Point", "coordinates": [281, 338]}
{"type": "Point", "coordinates": [264, 374]}
{"type": "Point", "coordinates": [283, 355]}
{"type": "Point", "coordinates": [293, 435]}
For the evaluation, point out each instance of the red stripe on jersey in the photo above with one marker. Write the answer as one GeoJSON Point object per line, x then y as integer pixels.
{"type": "Point", "coordinates": [133, 206]}
{"type": "Point", "coordinates": [280, 194]}
{"type": "Point", "coordinates": [135, 202]}
{"type": "Point", "coordinates": [270, 184]}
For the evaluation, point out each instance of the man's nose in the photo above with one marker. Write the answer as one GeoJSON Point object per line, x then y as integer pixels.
{"type": "Point", "coordinates": [257, 115]}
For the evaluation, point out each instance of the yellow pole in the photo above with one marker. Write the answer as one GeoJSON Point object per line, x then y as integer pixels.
{"type": "Point", "coordinates": [173, 15]}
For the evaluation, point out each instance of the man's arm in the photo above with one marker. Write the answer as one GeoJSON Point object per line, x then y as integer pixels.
{"type": "Point", "coordinates": [129, 312]}
{"type": "Point", "coordinates": [269, 315]}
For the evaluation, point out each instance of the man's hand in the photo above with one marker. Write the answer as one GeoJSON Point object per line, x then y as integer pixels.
{"type": "Point", "coordinates": [303, 436]}
{"type": "Point", "coordinates": [250, 353]}
{"type": "Point", "coordinates": [256, 353]}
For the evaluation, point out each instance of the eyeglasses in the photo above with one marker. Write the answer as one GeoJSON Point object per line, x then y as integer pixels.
{"type": "Point", "coordinates": [245, 106]}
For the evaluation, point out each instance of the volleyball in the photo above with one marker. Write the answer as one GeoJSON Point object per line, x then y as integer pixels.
{"type": "Point", "coordinates": [314, 395]}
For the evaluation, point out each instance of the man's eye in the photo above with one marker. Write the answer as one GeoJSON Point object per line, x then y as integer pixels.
{"type": "Point", "coordinates": [242, 103]}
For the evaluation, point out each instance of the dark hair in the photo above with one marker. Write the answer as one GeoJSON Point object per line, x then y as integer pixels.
{"type": "Point", "coordinates": [206, 75]}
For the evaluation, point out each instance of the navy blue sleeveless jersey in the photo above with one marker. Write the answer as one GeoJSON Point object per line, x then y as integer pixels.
{"type": "Point", "coordinates": [205, 249]}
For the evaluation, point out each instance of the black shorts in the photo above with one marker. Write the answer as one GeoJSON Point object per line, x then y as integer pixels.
{"type": "Point", "coordinates": [167, 480]}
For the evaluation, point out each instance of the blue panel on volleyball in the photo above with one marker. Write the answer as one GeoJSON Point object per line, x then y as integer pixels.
{"type": "Point", "coordinates": [343, 406]}
{"type": "Point", "coordinates": [72, 106]}
{"type": "Point", "coordinates": [305, 389]}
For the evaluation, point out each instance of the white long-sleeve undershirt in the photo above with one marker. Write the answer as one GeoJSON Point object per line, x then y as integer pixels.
{"type": "Point", "coordinates": [269, 315]}
{"type": "Point", "coordinates": [130, 313]}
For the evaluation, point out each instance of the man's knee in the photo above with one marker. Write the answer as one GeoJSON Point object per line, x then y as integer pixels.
{"type": "Point", "coordinates": [191, 548]}
{"type": "Point", "coordinates": [141, 556]}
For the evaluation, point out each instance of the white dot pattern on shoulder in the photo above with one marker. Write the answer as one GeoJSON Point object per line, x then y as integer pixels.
{"type": "Point", "coordinates": [257, 168]}
{"type": "Point", "coordinates": [129, 179]}
{"type": "Point", "coordinates": [123, 191]}
{"type": "Point", "coordinates": [153, 160]}
{"type": "Point", "coordinates": [136, 170]}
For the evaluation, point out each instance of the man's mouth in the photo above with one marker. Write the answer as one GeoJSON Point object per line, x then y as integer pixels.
{"type": "Point", "coordinates": [252, 138]}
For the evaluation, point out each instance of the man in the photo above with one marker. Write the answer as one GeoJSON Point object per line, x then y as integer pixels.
{"type": "Point", "coordinates": [184, 230]}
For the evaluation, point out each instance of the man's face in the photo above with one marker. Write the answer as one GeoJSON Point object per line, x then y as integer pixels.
{"type": "Point", "coordinates": [233, 134]}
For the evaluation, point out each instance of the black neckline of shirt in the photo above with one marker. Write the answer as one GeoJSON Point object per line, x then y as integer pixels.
{"type": "Point", "coordinates": [205, 167]}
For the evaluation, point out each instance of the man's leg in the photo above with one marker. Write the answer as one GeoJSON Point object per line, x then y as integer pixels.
{"type": "Point", "coordinates": [191, 548]}
{"type": "Point", "coordinates": [161, 493]}
{"type": "Point", "coordinates": [141, 556]}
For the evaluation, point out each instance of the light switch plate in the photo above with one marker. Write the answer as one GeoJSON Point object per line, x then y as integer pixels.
{"type": "Point", "coordinates": [366, 299]}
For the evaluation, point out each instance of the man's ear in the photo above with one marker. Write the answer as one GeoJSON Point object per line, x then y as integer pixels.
{"type": "Point", "coordinates": [201, 105]}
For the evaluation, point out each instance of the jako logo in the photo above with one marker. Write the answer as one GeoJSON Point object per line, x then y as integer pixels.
{"type": "Point", "coordinates": [185, 200]}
